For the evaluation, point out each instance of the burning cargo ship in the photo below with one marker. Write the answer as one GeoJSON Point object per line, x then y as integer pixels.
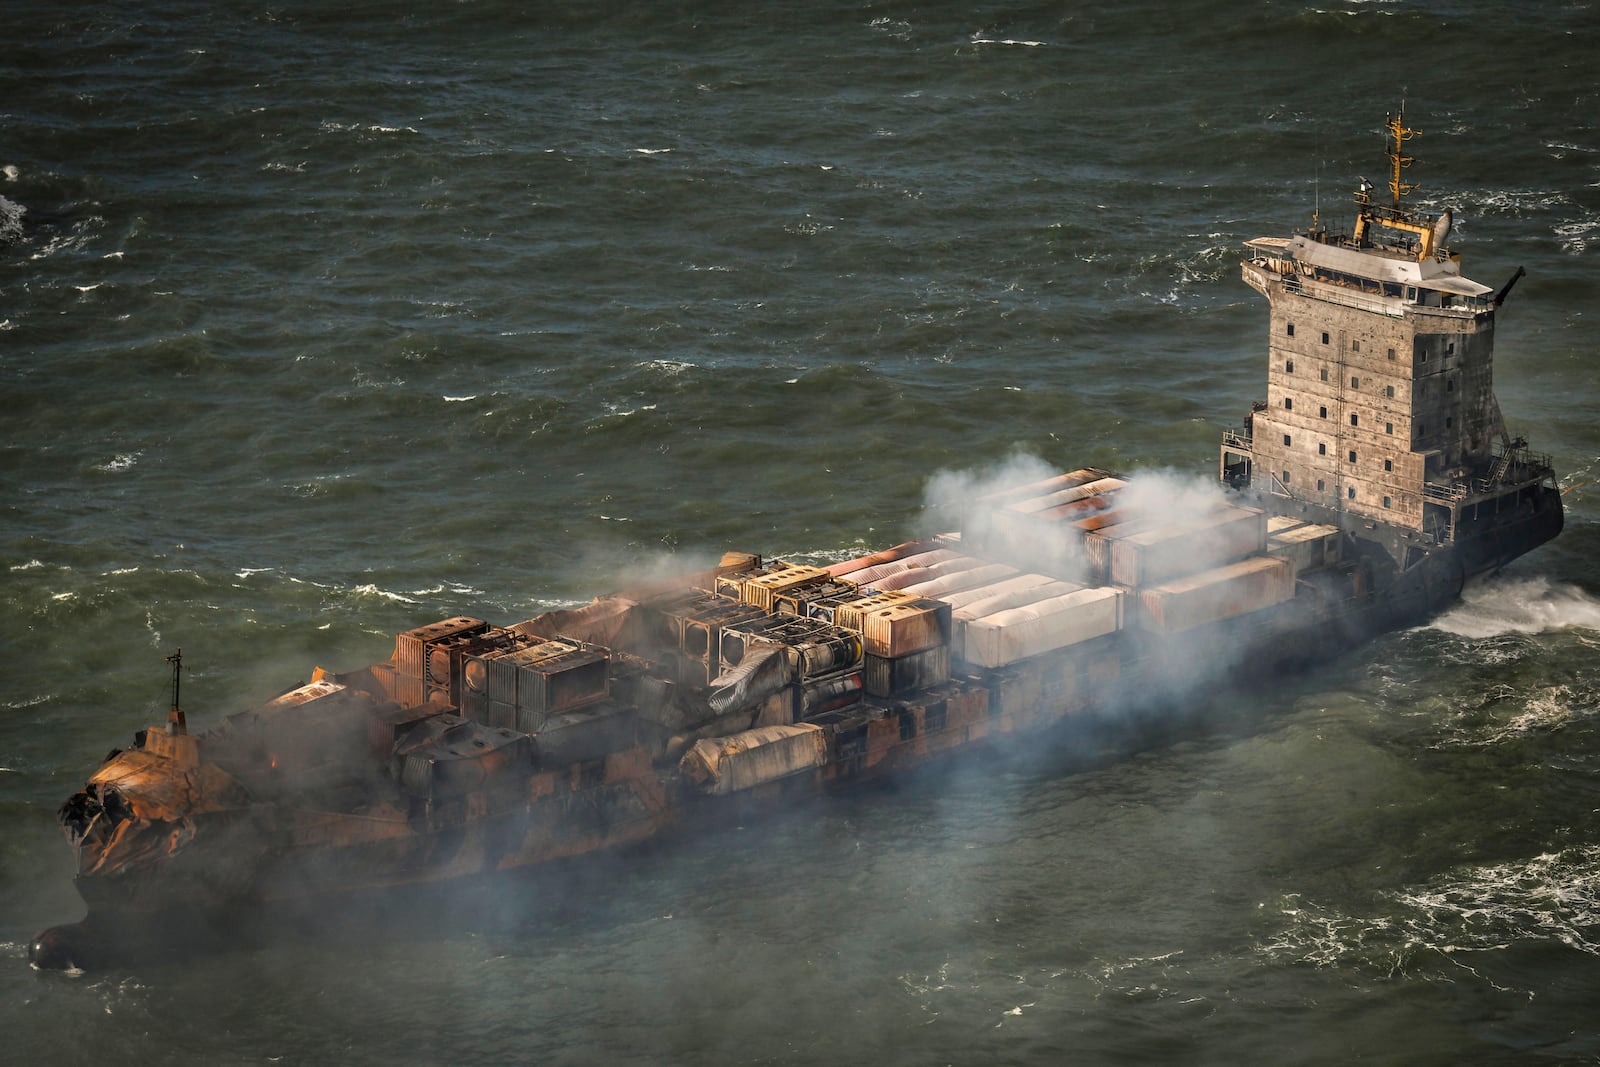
{"type": "Point", "coordinates": [1373, 482]}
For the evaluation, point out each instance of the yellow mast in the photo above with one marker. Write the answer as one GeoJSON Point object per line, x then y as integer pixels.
{"type": "Point", "coordinates": [1397, 158]}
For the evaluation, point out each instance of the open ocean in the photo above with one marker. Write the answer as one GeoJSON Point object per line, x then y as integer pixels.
{"type": "Point", "coordinates": [323, 321]}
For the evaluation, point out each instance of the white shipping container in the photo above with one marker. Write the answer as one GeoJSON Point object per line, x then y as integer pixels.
{"type": "Point", "coordinates": [1171, 550]}
{"type": "Point", "coordinates": [1001, 588]}
{"type": "Point", "coordinates": [1217, 594]}
{"type": "Point", "coordinates": [868, 575]}
{"type": "Point", "coordinates": [1017, 633]}
{"type": "Point", "coordinates": [970, 578]}
{"type": "Point", "coordinates": [918, 575]}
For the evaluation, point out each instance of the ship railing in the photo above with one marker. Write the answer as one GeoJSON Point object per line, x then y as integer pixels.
{"type": "Point", "coordinates": [1238, 439]}
{"type": "Point", "coordinates": [1454, 492]}
{"type": "Point", "coordinates": [1337, 294]}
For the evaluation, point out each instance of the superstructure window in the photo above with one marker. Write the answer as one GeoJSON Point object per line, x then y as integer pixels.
{"type": "Point", "coordinates": [1352, 455]}
{"type": "Point", "coordinates": [1323, 411]}
{"type": "Point", "coordinates": [1324, 338]}
{"type": "Point", "coordinates": [1355, 346]}
{"type": "Point", "coordinates": [1388, 427]}
{"type": "Point", "coordinates": [1354, 419]}
{"type": "Point", "coordinates": [1449, 385]}
{"type": "Point", "coordinates": [1288, 403]}
{"type": "Point", "coordinates": [1286, 440]}
{"type": "Point", "coordinates": [1388, 391]}
{"type": "Point", "coordinates": [1288, 366]}
{"type": "Point", "coordinates": [1385, 501]}
{"type": "Point", "coordinates": [1285, 477]}
{"type": "Point", "coordinates": [1388, 464]}
{"type": "Point", "coordinates": [1450, 349]}
{"type": "Point", "coordinates": [1351, 492]}
{"type": "Point", "coordinates": [1319, 485]}
{"type": "Point", "coordinates": [1322, 448]}
{"type": "Point", "coordinates": [1391, 353]}
{"type": "Point", "coordinates": [1324, 373]}
{"type": "Point", "coordinates": [1291, 329]}
{"type": "Point", "coordinates": [1449, 422]}
{"type": "Point", "coordinates": [1355, 383]}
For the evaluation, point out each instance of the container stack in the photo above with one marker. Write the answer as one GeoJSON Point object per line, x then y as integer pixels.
{"type": "Point", "coordinates": [1308, 546]}
{"type": "Point", "coordinates": [522, 688]}
{"type": "Point", "coordinates": [1033, 526]}
{"type": "Point", "coordinates": [1218, 594]}
{"type": "Point", "coordinates": [408, 665]}
{"type": "Point", "coordinates": [905, 641]}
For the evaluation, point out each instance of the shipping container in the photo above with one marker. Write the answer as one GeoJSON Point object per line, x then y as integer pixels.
{"type": "Point", "coordinates": [905, 626]}
{"type": "Point", "coordinates": [589, 733]}
{"type": "Point", "coordinates": [1308, 547]}
{"type": "Point", "coordinates": [1217, 594]}
{"type": "Point", "coordinates": [866, 578]}
{"type": "Point", "coordinates": [1186, 546]}
{"type": "Point", "coordinates": [961, 599]}
{"type": "Point", "coordinates": [887, 677]}
{"type": "Point", "coordinates": [985, 574]}
{"type": "Point", "coordinates": [1097, 545]}
{"type": "Point", "coordinates": [1018, 633]}
{"type": "Point", "coordinates": [917, 575]}
{"type": "Point", "coordinates": [797, 601]}
{"type": "Point", "coordinates": [780, 578]}
{"type": "Point", "coordinates": [728, 764]}
{"type": "Point", "coordinates": [410, 646]}
{"type": "Point", "coordinates": [887, 555]}
{"type": "Point", "coordinates": [829, 693]}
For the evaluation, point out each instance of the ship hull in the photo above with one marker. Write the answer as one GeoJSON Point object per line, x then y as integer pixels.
{"type": "Point", "coordinates": [268, 856]}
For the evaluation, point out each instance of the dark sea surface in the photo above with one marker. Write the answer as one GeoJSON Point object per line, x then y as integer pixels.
{"type": "Point", "coordinates": [319, 322]}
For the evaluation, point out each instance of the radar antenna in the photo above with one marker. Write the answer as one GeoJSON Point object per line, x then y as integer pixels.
{"type": "Point", "coordinates": [176, 722]}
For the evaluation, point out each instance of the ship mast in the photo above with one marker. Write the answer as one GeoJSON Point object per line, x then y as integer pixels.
{"type": "Point", "coordinates": [1398, 160]}
{"type": "Point", "coordinates": [176, 721]}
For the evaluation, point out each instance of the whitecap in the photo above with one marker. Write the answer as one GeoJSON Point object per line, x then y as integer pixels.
{"type": "Point", "coordinates": [459, 399]}
{"type": "Point", "coordinates": [372, 590]}
{"type": "Point", "coordinates": [1520, 605]}
{"type": "Point", "coordinates": [31, 565]}
{"type": "Point", "coordinates": [1007, 40]}
{"type": "Point", "coordinates": [120, 462]}
{"type": "Point", "coordinates": [652, 151]}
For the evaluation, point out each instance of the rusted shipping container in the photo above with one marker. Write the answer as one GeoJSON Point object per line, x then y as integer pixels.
{"type": "Point", "coordinates": [1172, 550]}
{"type": "Point", "coordinates": [744, 760]}
{"type": "Point", "coordinates": [410, 647]}
{"type": "Point", "coordinates": [1018, 633]}
{"type": "Point", "coordinates": [797, 601]}
{"type": "Point", "coordinates": [872, 559]}
{"type": "Point", "coordinates": [866, 578]}
{"type": "Point", "coordinates": [903, 675]}
{"type": "Point", "coordinates": [905, 626]}
{"type": "Point", "coordinates": [1097, 545]}
{"type": "Point", "coordinates": [1217, 594]}
{"type": "Point", "coordinates": [780, 578]}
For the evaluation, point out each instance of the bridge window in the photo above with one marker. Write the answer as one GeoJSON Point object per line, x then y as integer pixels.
{"type": "Point", "coordinates": [1291, 329]}
{"type": "Point", "coordinates": [1388, 427]}
{"type": "Point", "coordinates": [1286, 440]}
{"type": "Point", "coordinates": [1323, 411]}
{"type": "Point", "coordinates": [1388, 464]}
{"type": "Point", "coordinates": [1324, 338]}
{"type": "Point", "coordinates": [1352, 455]}
{"type": "Point", "coordinates": [1354, 420]}
{"type": "Point", "coordinates": [1322, 449]}
{"type": "Point", "coordinates": [1288, 403]}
